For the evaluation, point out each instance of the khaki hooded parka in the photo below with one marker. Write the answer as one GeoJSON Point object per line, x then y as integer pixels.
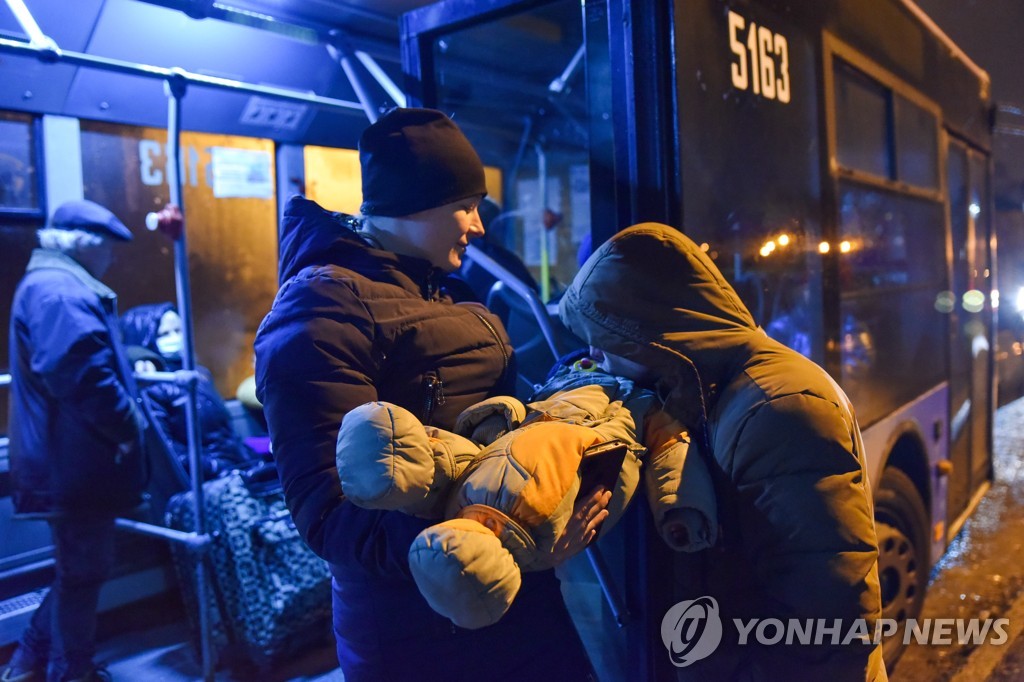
{"type": "Point", "coordinates": [797, 537]}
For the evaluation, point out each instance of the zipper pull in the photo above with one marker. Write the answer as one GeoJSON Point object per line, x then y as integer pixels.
{"type": "Point", "coordinates": [439, 391]}
{"type": "Point", "coordinates": [434, 395]}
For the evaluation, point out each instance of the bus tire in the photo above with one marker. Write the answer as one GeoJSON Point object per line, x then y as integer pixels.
{"type": "Point", "coordinates": [901, 522]}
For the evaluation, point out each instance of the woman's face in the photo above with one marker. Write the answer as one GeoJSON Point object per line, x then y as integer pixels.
{"type": "Point", "coordinates": [169, 339]}
{"type": "Point", "coordinates": [441, 234]}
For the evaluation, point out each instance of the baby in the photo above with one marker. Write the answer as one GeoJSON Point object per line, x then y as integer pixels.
{"type": "Point", "coordinates": [504, 484]}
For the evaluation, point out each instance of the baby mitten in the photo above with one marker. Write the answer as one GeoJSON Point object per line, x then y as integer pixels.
{"type": "Point", "coordinates": [464, 572]}
{"type": "Point", "coordinates": [387, 459]}
{"type": "Point", "coordinates": [488, 420]}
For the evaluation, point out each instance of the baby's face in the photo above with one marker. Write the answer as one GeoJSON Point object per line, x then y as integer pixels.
{"type": "Point", "coordinates": [619, 366]}
{"type": "Point", "coordinates": [487, 520]}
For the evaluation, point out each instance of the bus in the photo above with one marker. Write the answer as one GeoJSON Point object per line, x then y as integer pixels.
{"type": "Point", "coordinates": [833, 158]}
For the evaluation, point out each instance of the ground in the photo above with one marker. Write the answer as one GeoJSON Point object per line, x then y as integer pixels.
{"type": "Point", "coordinates": [981, 575]}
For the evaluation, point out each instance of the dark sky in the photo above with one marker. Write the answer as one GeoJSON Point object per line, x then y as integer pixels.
{"type": "Point", "coordinates": [991, 32]}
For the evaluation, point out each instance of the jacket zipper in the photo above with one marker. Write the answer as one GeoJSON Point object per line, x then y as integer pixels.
{"type": "Point", "coordinates": [432, 284]}
{"type": "Point", "coordinates": [501, 344]}
{"type": "Point", "coordinates": [434, 388]}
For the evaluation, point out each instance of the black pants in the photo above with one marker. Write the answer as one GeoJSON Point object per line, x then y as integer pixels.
{"type": "Point", "coordinates": [62, 633]}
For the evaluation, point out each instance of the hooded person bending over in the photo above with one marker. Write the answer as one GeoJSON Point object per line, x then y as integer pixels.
{"type": "Point", "coordinates": [797, 535]}
{"type": "Point", "coordinates": [360, 317]}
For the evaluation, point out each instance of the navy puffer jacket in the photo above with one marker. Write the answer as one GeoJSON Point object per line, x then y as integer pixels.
{"type": "Point", "coordinates": [75, 427]}
{"type": "Point", "coordinates": [352, 324]}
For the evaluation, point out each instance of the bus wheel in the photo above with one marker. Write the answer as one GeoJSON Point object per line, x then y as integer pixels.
{"type": "Point", "coordinates": [901, 522]}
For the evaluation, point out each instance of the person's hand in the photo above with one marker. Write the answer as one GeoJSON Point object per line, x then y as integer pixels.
{"type": "Point", "coordinates": [587, 516]}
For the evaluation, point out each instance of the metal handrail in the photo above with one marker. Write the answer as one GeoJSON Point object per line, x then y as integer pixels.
{"type": "Point", "coordinates": [507, 279]}
{"type": "Point", "coordinates": [176, 88]}
{"type": "Point", "coordinates": [193, 540]}
{"type": "Point", "coordinates": [50, 53]}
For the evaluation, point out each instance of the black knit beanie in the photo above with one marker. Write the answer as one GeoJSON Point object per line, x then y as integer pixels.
{"type": "Point", "coordinates": [415, 159]}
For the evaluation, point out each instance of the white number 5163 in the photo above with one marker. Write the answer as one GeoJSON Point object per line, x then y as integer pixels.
{"type": "Point", "coordinates": [760, 50]}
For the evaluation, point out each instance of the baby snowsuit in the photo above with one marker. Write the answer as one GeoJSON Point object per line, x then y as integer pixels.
{"type": "Point", "coordinates": [507, 480]}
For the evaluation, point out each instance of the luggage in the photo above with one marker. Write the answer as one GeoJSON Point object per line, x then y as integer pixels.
{"type": "Point", "coordinates": [269, 596]}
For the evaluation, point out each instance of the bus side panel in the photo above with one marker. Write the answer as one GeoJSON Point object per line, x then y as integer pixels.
{"type": "Point", "coordinates": [916, 420]}
{"type": "Point", "coordinates": [750, 156]}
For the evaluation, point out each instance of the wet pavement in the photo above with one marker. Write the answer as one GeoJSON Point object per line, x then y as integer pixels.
{"type": "Point", "coordinates": [981, 575]}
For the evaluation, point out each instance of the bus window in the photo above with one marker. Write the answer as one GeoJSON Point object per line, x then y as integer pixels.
{"type": "Point", "coordinates": [870, 118]}
{"type": "Point", "coordinates": [333, 178]}
{"type": "Point", "coordinates": [20, 215]}
{"type": "Point", "coordinates": [917, 152]}
{"type": "Point", "coordinates": [531, 128]}
{"type": "Point", "coordinates": [862, 123]}
{"type": "Point", "coordinates": [892, 268]}
{"type": "Point", "coordinates": [529, 123]}
{"type": "Point", "coordinates": [230, 208]}
{"type": "Point", "coordinates": [19, 189]}
{"type": "Point", "coordinates": [892, 245]}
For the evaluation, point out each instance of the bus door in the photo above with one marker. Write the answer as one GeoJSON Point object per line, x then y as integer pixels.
{"type": "Point", "coordinates": [971, 333]}
{"type": "Point", "coordinates": [521, 79]}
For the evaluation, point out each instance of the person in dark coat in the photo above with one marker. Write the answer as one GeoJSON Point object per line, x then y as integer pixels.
{"type": "Point", "coordinates": [360, 317]}
{"type": "Point", "coordinates": [797, 533]}
{"type": "Point", "coordinates": [156, 328]}
{"type": "Point", "coordinates": [75, 431]}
